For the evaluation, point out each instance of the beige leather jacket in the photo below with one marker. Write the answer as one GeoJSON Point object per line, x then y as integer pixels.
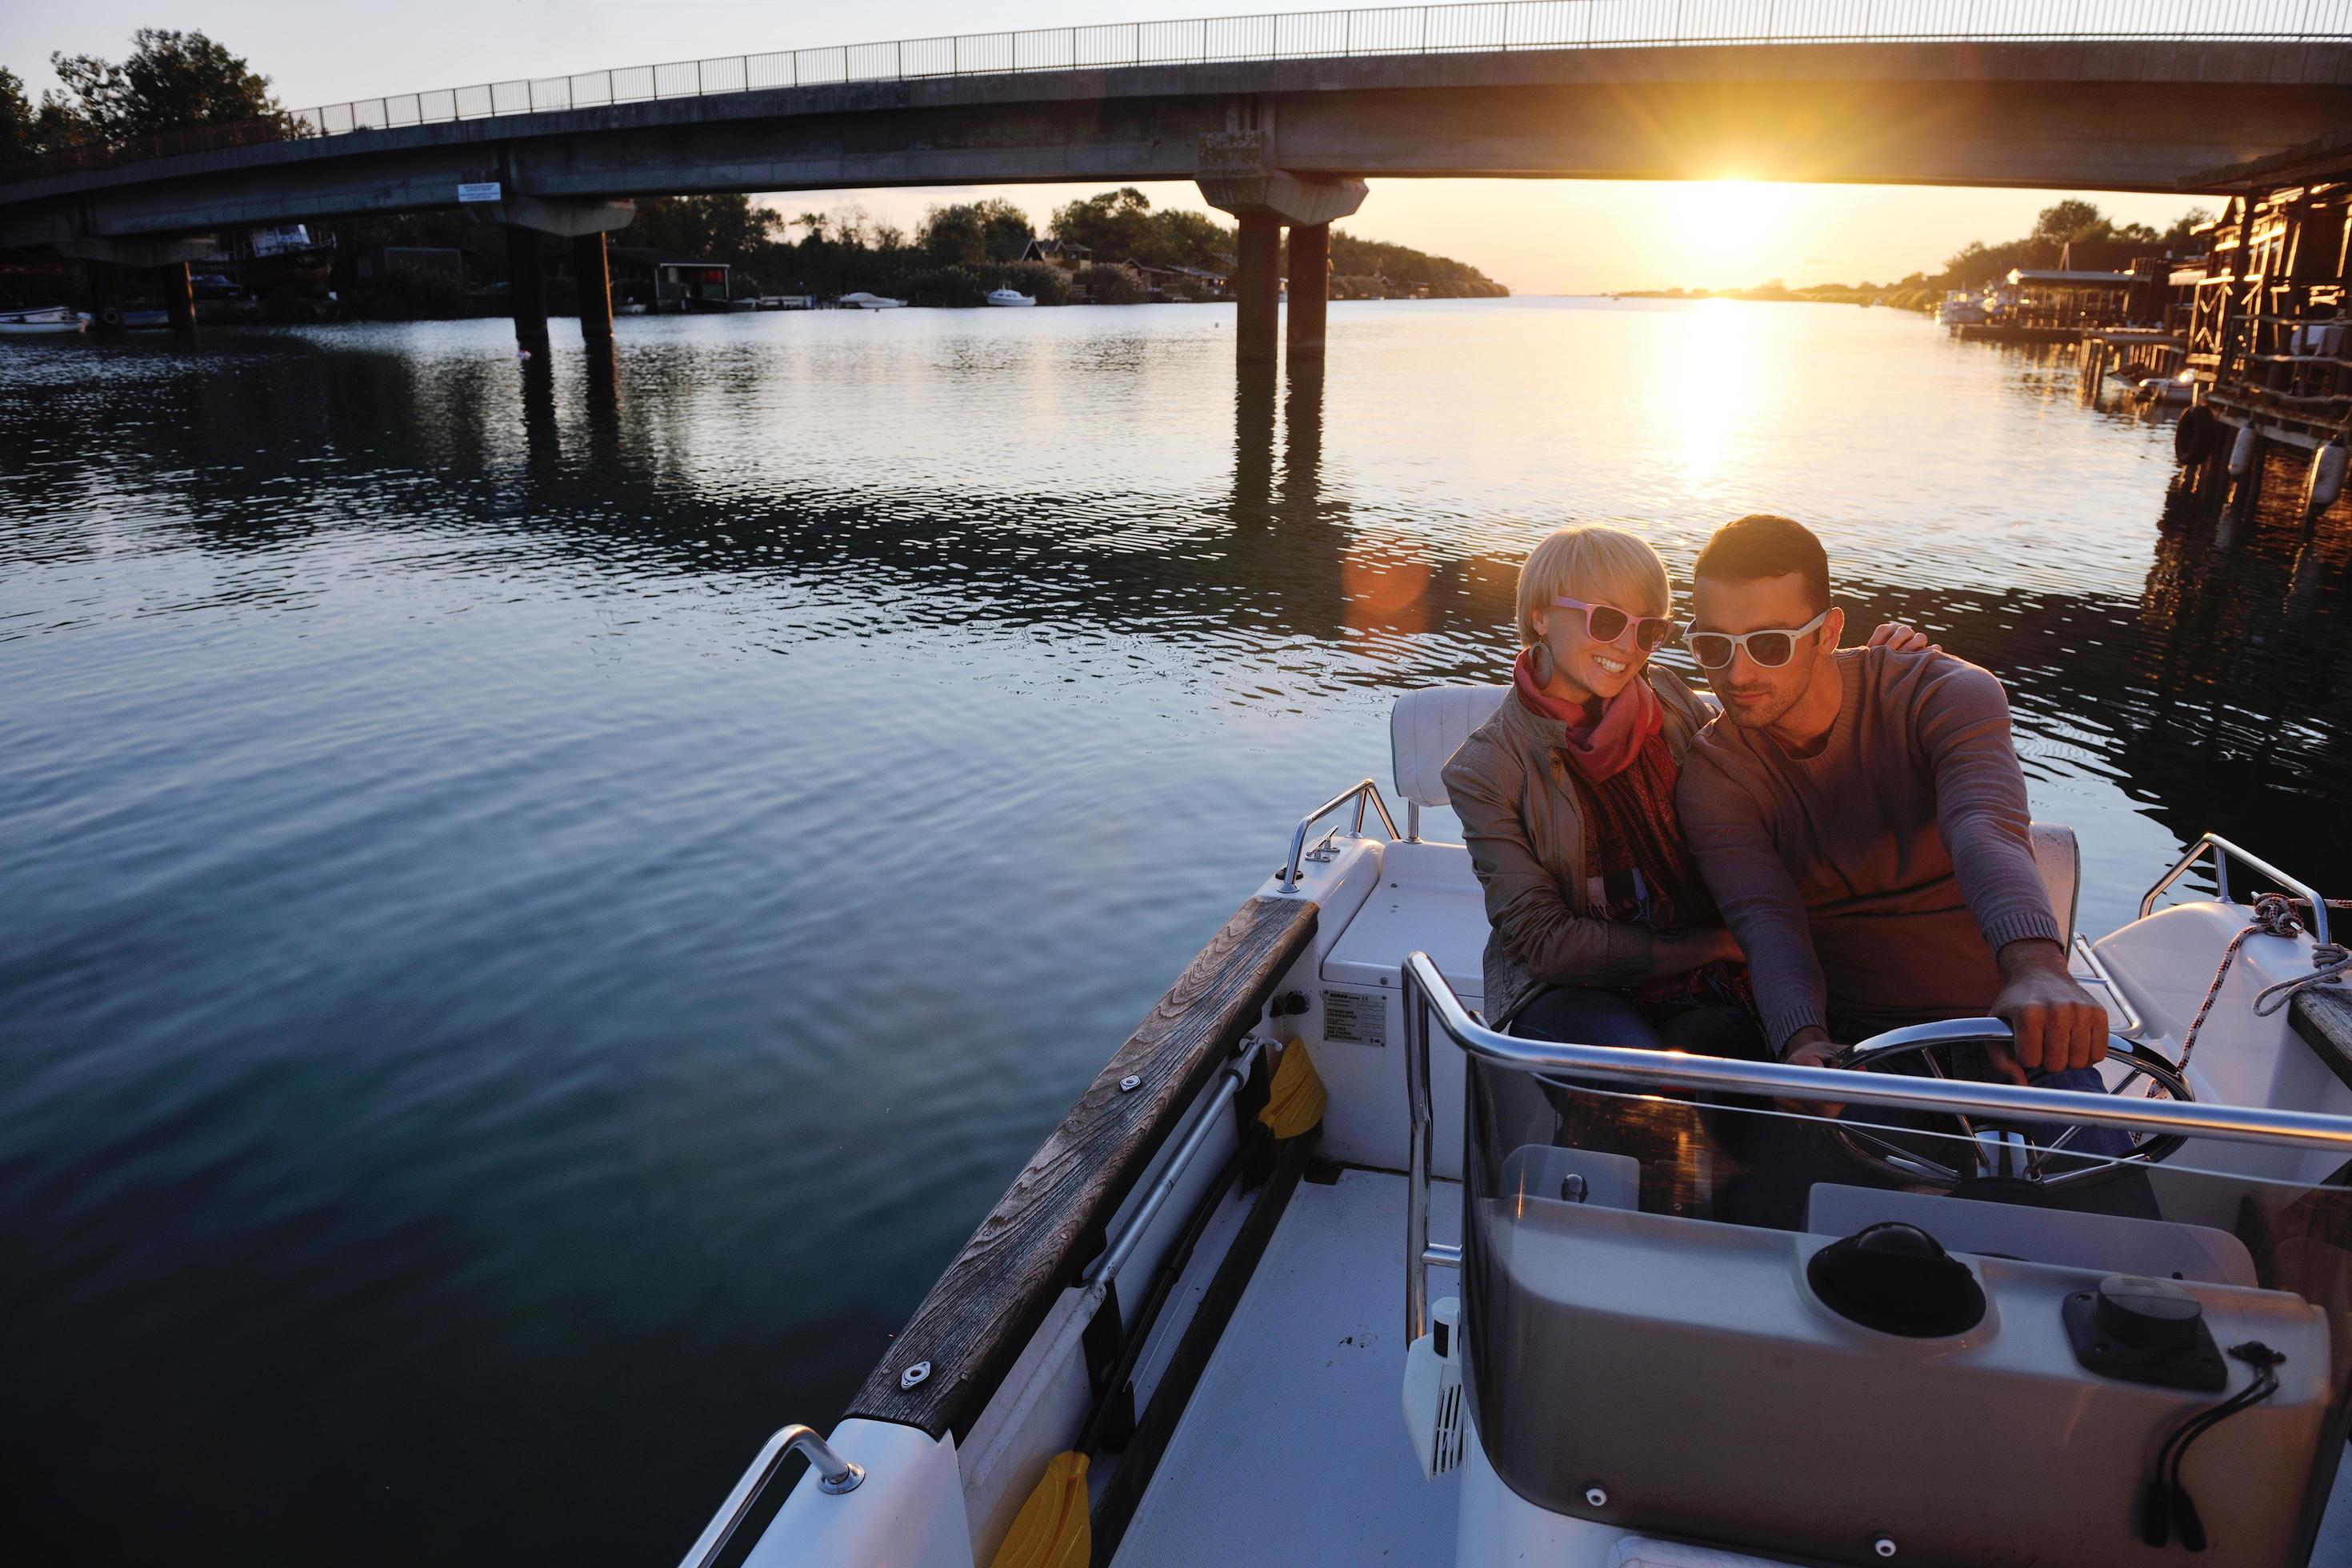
{"type": "Point", "coordinates": [1525, 828]}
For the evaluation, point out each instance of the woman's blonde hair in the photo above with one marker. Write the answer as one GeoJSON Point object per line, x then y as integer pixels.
{"type": "Point", "coordinates": [1598, 564]}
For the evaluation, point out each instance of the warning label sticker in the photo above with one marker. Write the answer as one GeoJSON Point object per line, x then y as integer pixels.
{"type": "Point", "coordinates": [1356, 1017]}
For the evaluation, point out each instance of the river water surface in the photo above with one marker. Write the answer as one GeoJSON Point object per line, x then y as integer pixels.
{"type": "Point", "coordinates": [535, 914]}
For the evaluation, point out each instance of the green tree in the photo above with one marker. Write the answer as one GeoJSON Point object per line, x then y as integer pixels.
{"type": "Point", "coordinates": [1115, 225]}
{"type": "Point", "coordinates": [16, 134]}
{"type": "Point", "coordinates": [952, 236]}
{"type": "Point", "coordinates": [1005, 229]}
{"type": "Point", "coordinates": [170, 80]}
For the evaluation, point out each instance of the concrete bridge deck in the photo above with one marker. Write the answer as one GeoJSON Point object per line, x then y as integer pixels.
{"type": "Point", "coordinates": [2105, 114]}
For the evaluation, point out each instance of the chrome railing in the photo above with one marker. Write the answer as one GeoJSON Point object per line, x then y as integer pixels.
{"type": "Point", "coordinates": [834, 1475]}
{"type": "Point", "coordinates": [2224, 852]}
{"type": "Point", "coordinates": [1497, 25]}
{"type": "Point", "coordinates": [1366, 793]}
{"type": "Point", "coordinates": [1427, 995]}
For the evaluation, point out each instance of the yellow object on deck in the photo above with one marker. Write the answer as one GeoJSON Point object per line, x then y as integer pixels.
{"type": "Point", "coordinates": [1053, 1529]}
{"type": "Point", "coordinates": [1294, 1102]}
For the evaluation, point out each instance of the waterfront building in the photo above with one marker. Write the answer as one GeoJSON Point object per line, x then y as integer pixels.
{"type": "Point", "coordinates": [664, 280]}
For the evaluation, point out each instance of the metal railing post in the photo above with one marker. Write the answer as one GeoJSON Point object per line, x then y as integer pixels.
{"type": "Point", "coordinates": [1417, 1211]}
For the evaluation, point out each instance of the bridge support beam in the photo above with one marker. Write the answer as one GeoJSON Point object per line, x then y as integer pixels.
{"type": "Point", "coordinates": [594, 278]}
{"type": "Point", "coordinates": [527, 291]}
{"type": "Point", "coordinates": [1235, 178]}
{"type": "Point", "coordinates": [1257, 285]}
{"type": "Point", "coordinates": [1310, 290]}
{"type": "Point", "coordinates": [179, 296]}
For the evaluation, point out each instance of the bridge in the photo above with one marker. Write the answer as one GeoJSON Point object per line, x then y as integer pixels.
{"type": "Point", "coordinates": [1280, 118]}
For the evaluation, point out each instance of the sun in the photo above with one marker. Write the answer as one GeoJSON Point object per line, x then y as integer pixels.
{"type": "Point", "coordinates": [1722, 233]}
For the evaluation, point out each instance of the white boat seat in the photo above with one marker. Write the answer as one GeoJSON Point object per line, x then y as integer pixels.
{"type": "Point", "coordinates": [2060, 860]}
{"type": "Point", "coordinates": [1427, 727]}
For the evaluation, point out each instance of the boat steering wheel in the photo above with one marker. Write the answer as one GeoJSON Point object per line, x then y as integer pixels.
{"type": "Point", "coordinates": [2034, 1150]}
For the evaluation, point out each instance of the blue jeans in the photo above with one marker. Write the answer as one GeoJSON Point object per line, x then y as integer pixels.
{"type": "Point", "coordinates": [1582, 1016]}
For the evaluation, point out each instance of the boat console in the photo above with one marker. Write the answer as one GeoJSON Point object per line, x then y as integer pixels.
{"type": "Point", "coordinates": [1954, 1379]}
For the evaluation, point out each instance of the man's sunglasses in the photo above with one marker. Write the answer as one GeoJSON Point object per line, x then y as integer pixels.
{"type": "Point", "coordinates": [1607, 623]}
{"type": "Point", "coordinates": [1771, 649]}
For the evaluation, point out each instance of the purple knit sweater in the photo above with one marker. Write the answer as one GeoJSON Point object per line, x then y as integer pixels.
{"type": "Point", "coordinates": [1871, 883]}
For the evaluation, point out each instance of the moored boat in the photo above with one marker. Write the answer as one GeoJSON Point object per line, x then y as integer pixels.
{"type": "Point", "coordinates": [1012, 298]}
{"type": "Point", "coordinates": [44, 321]}
{"type": "Point", "coordinates": [861, 300]}
{"type": "Point", "coordinates": [1965, 1323]}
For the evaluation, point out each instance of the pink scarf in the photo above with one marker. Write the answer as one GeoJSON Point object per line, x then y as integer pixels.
{"type": "Point", "coordinates": [1596, 748]}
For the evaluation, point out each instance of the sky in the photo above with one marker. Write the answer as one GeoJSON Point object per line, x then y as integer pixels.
{"type": "Point", "coordinates": [1537, 236]}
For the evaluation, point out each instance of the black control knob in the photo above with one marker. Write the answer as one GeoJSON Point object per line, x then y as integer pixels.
{"type": "Point", "coordinates": [2155, 1316]}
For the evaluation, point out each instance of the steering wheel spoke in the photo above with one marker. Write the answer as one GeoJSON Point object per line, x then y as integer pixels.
{"type": "Point", "coordinates": [2044, 1162]}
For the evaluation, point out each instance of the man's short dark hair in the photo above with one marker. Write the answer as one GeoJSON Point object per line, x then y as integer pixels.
{"type": "Point", "coordinates": [1763, 545]}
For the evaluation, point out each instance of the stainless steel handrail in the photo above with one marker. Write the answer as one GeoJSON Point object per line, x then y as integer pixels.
{"type": "Point", "coordinates": [2134, 1025]}
{"type": "Point", "coordinates": [1359, 793]}
{"type": "Point", "coordinates": [1425, 993]}
{"type": "Point", "coordinates": [1106, 1268]}
{"type": "Point", "coordinates": [2223, 850]}
{"type": "Point", "coordinates": [833, 1474]}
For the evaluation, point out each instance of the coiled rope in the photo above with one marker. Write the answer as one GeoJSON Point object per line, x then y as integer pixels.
{"type": "Point", "coordinates": [2274, 915]}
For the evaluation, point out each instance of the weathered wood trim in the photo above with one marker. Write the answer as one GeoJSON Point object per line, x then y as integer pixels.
{"type": "Point", "coordinates": [997, 1291]}
{"type": "Point", "coordinates": [2324, 1019]}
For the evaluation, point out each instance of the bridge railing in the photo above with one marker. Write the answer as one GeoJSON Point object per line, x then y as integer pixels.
{"type": "Point", "coordinates": [1487, 25]}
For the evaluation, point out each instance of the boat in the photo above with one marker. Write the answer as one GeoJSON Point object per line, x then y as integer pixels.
{"type": "Point", "coordinates": [2180, 388]}
{"type": "Point", "coordinates": [1012, 298]}
{"type": "Point", "coordinates": [787, 301]}
{"type": "Point", "coordinates": [146, 316]}
{"type": "Point", "coordinates": [44, 322]}
{"type": "Point", "coordinates": [1960, 308]}
{"type": "Point", "coordinates": [1322, 1270]}
{"type": "Point", "coordinates": [861, 300]}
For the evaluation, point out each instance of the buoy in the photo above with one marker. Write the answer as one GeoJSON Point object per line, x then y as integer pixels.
{"type": "Point", "coordinates": [1295, 1098]}
{"type": "Point", "coordinates": [2326, 481]}
{"type": "Point", "coordinates": [1052, 1530]}
{"type": "Point", "coordinates": [2241, 450]}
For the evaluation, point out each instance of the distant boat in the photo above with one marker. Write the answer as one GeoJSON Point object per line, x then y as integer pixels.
{"type": "Point", "coordinates": [862, 301]}
{"type": "Point", "coordinates": [147, 315]}
{"type": "Point", "coordinates": [46, 320]}
{"type": "Point", "coordinates": [1011, 299]}
{"type": "Point", "coordinates": [631, 308]}
{"type": "Point", "coordinates": [788, 301]}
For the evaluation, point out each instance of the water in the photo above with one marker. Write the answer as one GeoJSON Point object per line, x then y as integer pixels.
{"type": "Point", "coordinates": [534, 917]}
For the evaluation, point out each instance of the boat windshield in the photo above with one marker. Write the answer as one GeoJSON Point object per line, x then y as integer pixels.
{"type": "Point", "coordinates": [1980, 1341]}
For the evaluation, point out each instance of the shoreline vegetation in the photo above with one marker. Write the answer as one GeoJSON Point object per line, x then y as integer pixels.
{"type": "Point", "coordinates": [2075, 230]}
{"type": "Point", "coordinates": [954, 258]}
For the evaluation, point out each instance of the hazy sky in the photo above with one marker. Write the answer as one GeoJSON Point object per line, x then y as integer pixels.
{"type": "Point", "coordinates": [1537, 237]}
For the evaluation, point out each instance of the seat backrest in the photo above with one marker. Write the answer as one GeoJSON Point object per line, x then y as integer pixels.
{"type": "Point", "coordinates": [1427, 727]}
{"type": "Point", "coordinates": [2060, 860]}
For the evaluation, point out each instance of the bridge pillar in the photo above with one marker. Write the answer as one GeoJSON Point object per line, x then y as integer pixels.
{"type": "Point", "coordinates": [594, 278]}
{"type": "Point", "coordinates": [1310, 290]}
{"type": "Point", "coordinates": [179, 296]}
{"type": "Point", "coordinates": [1257, 285]}
{"type": "Point", "coordinates": [527, 291]}
{"type": "Point", "coordinates": [1234, 177]}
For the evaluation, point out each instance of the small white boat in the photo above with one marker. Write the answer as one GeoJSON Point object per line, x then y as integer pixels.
{"type": "Point", "coordinates": [1667, 1337]}
{"type": "Point", "coordinates": [1011, 299]}
{"type": "Point", "coordinates": [788, 301]}
{"type": "Point", "coordinates": [632, 308]}
{"type": "Point", "coordinates": [46, 322]}
{"type": "Point", "coordinates": [1961, 309]}
{"type": "Point", "coordinates": [2179, 388]}
{"type": "Point", "coordinates": [862, 301]}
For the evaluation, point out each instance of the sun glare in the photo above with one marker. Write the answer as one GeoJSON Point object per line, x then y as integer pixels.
{"type": "Point", "coordinates": [1723, 232]}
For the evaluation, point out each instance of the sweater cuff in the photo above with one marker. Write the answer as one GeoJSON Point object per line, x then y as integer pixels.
{"type": "Point", "coordinates": [1628, 956]}
{"type": "Point", "coordinates": [2026, 925]}
{"type": "Point", "coordinates": [1783, 1022]}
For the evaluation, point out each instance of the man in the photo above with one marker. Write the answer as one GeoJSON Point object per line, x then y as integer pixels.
{"type": "Point", "coordinates": [1861, 818]}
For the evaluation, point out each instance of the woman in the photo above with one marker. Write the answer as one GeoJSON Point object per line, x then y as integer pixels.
{"type": "Point", "coordinates": [1603, 931]}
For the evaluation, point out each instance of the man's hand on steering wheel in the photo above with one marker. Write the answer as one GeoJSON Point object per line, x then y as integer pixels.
{"type": "Point", "coordinates": [1812, 1047]}
{"type": "Point", "coordinates": [2058, 1025]}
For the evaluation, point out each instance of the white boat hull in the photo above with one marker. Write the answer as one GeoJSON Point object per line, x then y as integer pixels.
{"type": "Point", "coordinates": [42, 324]}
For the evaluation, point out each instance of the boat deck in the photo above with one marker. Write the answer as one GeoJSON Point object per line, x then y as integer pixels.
{"type": "Point", "coordinates": [1324, 1473]}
